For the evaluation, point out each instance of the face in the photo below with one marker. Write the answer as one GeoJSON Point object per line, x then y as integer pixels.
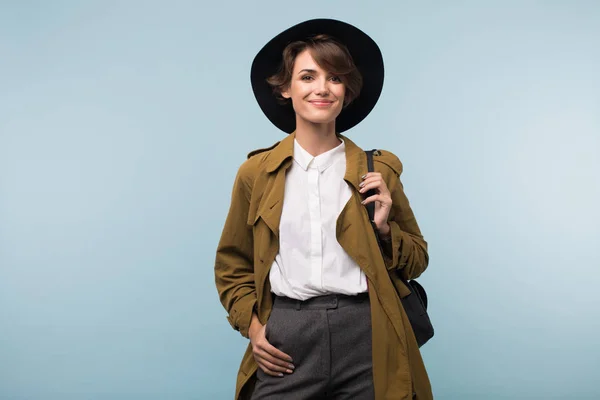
{"type": "Point", "coordinates": [317, 95]}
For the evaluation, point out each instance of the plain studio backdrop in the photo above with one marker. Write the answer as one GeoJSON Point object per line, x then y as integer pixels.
{"type": "Point", "coordinates": [122, 125]}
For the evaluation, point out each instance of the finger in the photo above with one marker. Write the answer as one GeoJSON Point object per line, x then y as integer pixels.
{"type": "Point", "coordinates": [370, 174]}
{"type": "Point", "coordinates": [371, 184]}
{"type": "Point", "coordinates": [273, 367]}
{"type": "Point", "coordinates": [268, 371]}
{"type": "Point", "coordinates": [378, 184]}
{"type": "Point", "coordinates": [267, 351]}
{"type": "Point", "coordinates": [384, 200]}
{"type": "Point", "coordinates": [375, 177]}
{"type": "Point", "coordinates": [283, 364]}
{"type": "Point", "coordinates": [276, 353]}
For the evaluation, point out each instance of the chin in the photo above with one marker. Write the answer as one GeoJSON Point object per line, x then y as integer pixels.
{"type": "Point", "coordinates": [320, 119]}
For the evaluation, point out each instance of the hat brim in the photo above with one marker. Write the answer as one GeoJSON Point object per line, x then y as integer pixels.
{"type": "Point", "coordinates": [364, 51]}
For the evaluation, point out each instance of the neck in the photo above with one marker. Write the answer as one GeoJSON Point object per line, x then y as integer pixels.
{"type": "Point", "coordinates": [316, 138]}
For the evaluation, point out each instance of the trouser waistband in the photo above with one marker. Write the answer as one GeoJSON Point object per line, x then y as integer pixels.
{"type": "Point", "coordinates": [325, 302]}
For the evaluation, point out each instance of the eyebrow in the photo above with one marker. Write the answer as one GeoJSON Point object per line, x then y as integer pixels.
{"type": "Point", "coordinates": [312, 71]}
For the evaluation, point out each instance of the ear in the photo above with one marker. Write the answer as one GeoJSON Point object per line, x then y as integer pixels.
{"type": "Point", "coordinates": [286, 93]}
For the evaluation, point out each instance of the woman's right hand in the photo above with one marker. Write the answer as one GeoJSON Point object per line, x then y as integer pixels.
{"type": "Point", "coordinates": [271, 360]}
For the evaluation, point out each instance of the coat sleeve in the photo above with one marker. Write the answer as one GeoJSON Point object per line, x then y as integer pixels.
{"type": "Point", "coordinates": [405, 249]}
{"type": "Point", "coordinates": [234, 268]}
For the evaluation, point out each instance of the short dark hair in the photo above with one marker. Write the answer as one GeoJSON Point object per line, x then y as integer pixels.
{"type": "Point", "coordinates": [329, 54]}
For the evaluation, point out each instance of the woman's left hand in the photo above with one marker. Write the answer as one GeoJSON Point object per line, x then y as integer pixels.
{"type": "Point", "coordinates": [382, 199]}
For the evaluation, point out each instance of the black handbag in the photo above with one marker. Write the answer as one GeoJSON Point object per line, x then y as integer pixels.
{"type": "Point", "coordinates": [415, 304]}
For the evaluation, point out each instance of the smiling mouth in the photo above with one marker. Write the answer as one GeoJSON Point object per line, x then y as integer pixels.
{"type": "Point", "coordinates": [321, 103]}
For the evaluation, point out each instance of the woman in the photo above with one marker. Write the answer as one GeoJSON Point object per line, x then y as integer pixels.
{"type": "Point", "coordinates": [298, 267]}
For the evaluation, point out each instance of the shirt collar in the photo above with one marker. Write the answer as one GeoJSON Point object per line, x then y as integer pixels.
{"type": "Point", "coordinates": [321, 162]}
{"type": "Point", "coordinates": [356, 161]}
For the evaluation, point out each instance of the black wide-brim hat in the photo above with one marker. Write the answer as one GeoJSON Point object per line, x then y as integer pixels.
{"type": "Point", "coordinates": [364, 51]}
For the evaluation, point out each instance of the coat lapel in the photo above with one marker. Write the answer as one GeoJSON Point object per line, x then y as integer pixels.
{"type": "Point", "coordinates": [277, 164]}
{"type": "Point", "coordinates": [356, 163]}
{"type": "Point", "coordinates": [353, 222]}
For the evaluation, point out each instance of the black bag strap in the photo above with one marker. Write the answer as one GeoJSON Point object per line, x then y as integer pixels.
{"type": "Point", "coordinates": [370, 206]}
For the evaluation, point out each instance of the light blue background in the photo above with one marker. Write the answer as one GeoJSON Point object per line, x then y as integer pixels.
{"type": "Point", "coordinates": [122, 125]}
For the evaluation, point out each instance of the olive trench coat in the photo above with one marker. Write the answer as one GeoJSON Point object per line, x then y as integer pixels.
{"type": "Point", "coordinates": [250, 242]}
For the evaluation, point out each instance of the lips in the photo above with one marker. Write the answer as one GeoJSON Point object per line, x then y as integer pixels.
{"type": "Point", "coordinates": [321, 103]}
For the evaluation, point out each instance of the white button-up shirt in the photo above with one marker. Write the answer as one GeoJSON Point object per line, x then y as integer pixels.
{"type": "Point", "coordinates": [310, 261]}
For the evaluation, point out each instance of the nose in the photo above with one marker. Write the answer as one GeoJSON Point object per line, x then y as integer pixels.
{"type": "Point", "coordinates": [322, 88]}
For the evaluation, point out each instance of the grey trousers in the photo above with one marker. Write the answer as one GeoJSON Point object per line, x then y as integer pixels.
{"type": "Point", "coordinates": [329, 340]}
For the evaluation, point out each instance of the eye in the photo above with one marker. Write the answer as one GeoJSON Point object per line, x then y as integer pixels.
{"type": "Point", "coordinates": [336, 79]}
{"type": "Point", "coordinates": [306, 78]}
